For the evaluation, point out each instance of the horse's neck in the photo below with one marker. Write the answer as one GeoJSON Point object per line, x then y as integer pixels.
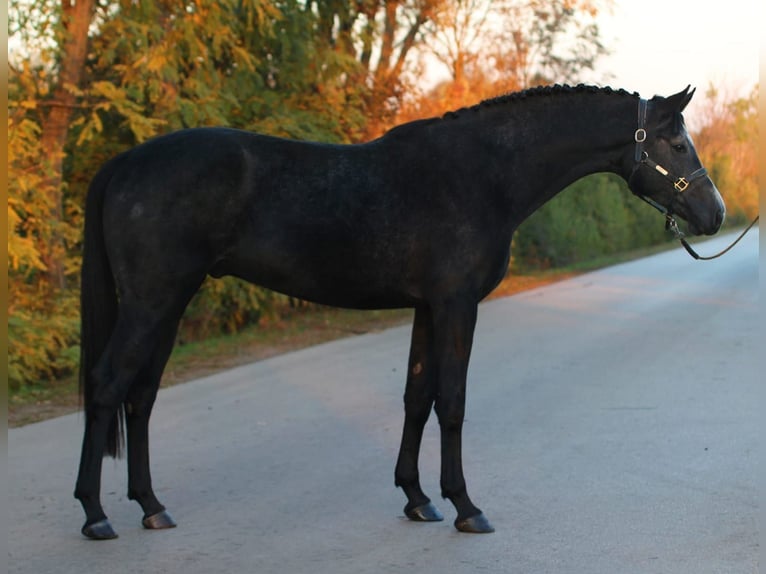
{"type": "Point", "coordinates": [554, 141]}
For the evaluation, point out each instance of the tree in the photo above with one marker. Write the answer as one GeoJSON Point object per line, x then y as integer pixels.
{"type": "Point", "coordinates": [71, 38]}
{"type": "Point", "coordinates": [42, 319]}
{"type": "Point", "coordinates": [380, 36]}
{"type": "Point", "coordinates": [43, 228]}
{"type": "Point", "coordinates": [728, 146]}
{"type": "Point", "coordinates": [80, 93]}
{"type": "Point", "coordinates": [494, 46]}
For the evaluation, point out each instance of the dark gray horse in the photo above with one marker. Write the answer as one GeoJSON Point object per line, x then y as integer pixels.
{"type": "Point", "coordinates": [421, 217]}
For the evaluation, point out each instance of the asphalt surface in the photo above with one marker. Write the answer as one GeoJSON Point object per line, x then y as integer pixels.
{"type": "Point", "coordinates": [612, 427]}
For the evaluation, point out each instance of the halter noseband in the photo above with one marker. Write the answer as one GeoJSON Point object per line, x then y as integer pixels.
{"type": "Point", "coordinates": [641, 157]}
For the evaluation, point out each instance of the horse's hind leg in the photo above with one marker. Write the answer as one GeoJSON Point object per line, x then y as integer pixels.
{"type": "Point", "coordinates": [124, 357]}
{"type": "Point", "coordinates": [418, 401]}
{"type": "Point", "coordinates": [140, 344]}
{"type": "Point", "coordinates": [88, 488]}
{"type": "Point", "coordinates": [138, 408]}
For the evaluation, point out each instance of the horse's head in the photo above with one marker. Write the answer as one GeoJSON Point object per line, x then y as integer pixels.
{"type": "Point", "coordinates": [666, 169]}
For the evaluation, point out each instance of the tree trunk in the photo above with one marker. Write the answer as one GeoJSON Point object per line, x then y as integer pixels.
{"type": "Point", "coordinates": [76, 19]}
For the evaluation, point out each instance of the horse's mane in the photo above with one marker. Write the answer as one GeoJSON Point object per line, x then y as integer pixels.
{"type": "Point", "coordinates": [538, 91]}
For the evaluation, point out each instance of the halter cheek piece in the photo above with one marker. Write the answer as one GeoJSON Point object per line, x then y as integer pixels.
{"type": "Point", "coordinates": [641, 157]}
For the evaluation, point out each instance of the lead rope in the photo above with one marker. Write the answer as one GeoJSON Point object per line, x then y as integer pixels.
{"type": "Point", "coordinates": [670, 223]}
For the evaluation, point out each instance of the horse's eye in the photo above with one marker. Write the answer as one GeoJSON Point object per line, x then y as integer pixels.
{"type": "Point", "coordinates": [681, 148]}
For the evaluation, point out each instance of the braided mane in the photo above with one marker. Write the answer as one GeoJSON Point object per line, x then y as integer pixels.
{"type": "Point", "coordinates": [405, 129]}
{"type": "Point", "coordinates": [538, 91]}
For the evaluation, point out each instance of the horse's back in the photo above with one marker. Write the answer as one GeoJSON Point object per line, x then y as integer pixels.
{"type": "Point", "coordinates": [289, 215]}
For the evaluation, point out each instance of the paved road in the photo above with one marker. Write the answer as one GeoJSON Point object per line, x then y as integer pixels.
{"type": "Point", "coordinates": [611, 428]}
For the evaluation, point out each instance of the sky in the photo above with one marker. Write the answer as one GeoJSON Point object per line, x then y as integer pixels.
{"type": "Point", "coordinates": [660, 46]}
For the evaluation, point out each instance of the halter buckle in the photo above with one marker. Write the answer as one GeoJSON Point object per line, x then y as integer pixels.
{"type": "Point", "coordinates": [681, 184]}
{"type": "Point", "coordinates": [640, 135]}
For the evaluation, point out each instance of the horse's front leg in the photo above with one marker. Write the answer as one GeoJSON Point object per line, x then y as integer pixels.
{"type": "Point", "coordinates": [454, 325]}
{"type": "Point", "coordinates": [418, 401]}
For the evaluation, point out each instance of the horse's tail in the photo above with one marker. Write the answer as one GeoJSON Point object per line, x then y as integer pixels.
{"type": "Point", "coordinates": [98, 302]}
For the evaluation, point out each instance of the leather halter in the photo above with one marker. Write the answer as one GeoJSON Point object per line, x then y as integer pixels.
{"type": "Point", "coordinates": [680, 184]}
{"type": "Point", "coordinates": [641, 157]}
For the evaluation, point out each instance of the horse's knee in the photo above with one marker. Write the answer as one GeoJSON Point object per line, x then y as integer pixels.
{"type": "Point", "coordinates": [417, 408]}
{"type": "Point", "coordinates": [451, 423]}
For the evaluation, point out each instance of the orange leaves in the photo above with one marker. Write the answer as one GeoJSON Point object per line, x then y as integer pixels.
{"type": "Point", "coordinates": [727, 144]}
{"type": "Point", "coordinates": [489, 47]}
{"type": "Point", "coordinates": [27, 206]}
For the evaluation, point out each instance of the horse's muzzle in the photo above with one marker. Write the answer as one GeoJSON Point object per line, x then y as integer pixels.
{"type": "Point", "coordinates": [703, 209]}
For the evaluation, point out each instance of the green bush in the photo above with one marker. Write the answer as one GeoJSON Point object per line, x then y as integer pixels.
{"type": "Point", "coordinates": [593, 217]}
{"type": "Point", "coordinates": [43, 344]}
{"type": "Point", "coordinates": [225, 306]}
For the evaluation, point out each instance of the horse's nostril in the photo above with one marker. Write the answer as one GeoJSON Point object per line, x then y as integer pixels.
{"type": "Point", "coordinates": [719, 218]}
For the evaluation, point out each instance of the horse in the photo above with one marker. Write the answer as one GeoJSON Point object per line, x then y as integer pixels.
{"type": "Point", "coordinates": [421, 217]}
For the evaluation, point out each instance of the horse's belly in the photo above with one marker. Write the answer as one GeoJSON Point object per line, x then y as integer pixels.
{"type": "Point", "coordinates": [328, 279]}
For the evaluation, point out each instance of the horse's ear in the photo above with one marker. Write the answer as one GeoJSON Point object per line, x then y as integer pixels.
{"type": "Point", "coordinates": [675, 104]}
{"type": "Point", "coordinates": [687, 98]}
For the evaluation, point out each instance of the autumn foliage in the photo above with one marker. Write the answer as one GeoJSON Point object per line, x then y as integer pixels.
{"type": "Point", "coordinates": [90, 79]}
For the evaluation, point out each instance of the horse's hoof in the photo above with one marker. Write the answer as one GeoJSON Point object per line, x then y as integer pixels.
{"type": "Point", "coordinates": [100, 530]}
{"type": "Point", "coordinates": [159, 521]}
{"type": "Point", "coordinates": [476, 524]}
{"type": "Point", "coordinates": [424, 513]}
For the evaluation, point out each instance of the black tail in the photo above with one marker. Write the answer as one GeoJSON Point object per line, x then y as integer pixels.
{"type": "Point", "coordinates": [98, 301]}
